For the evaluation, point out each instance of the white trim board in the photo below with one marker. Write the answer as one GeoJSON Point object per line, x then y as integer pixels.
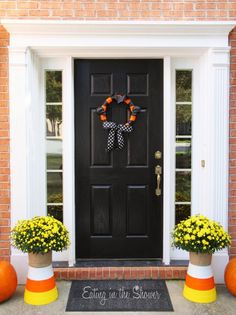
{"type": "Point", "coordinates": [116, 35]}
{"type": "Point", "coordinates": [140, 27]}
{"type": "Point", "coordinates": [207, 42]}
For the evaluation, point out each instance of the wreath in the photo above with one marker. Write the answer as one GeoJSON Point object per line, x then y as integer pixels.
{"type": "Point", "coordinates": [115, 135]}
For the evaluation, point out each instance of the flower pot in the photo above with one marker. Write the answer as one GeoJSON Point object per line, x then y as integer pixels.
{"type": "Point", "coordinates": [40, 286]}
{"type": "Point", "coordinates": [199, 284]}
{"type": "Point", "coordinates": [40, 260]}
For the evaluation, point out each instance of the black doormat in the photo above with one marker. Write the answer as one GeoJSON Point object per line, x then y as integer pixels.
{"type": "Point", "coordinates": [119, 295]}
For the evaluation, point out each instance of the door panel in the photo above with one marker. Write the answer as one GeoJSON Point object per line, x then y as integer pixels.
{"type": "Point", "coordinates": [118, 214]}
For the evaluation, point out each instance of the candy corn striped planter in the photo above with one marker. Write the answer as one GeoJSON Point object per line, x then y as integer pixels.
{"type": "Point", "coordinates": [40, 286]}
{"type": "Point", "coordinates": [199, 284]}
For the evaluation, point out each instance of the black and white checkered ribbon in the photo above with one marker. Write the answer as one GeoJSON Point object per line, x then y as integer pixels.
{"type": "Point", "coordinates": [116, 134]}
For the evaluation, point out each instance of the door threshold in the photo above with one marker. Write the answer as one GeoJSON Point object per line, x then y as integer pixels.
{"type": "Point", "coordinates": [118, 263]}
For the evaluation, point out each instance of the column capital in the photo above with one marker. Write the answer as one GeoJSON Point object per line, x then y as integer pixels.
{"type": "Point", "coordinates": [220, 56]}
{"type": "Point", "coordinates": [18, 56]}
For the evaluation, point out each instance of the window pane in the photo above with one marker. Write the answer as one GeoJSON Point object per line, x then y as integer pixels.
{"type": "Point", "coordinates": [182, 212]}
{"type": "Point", "coordinates": [54, 187]}
{"type": "Point", "coordinates": [56, 212]}
{"type": "Point", "coordinates": [183, 186]}
{"type": "Point", "coordinates": [53, 86]}
{"type": "Point", "coordinates": [183, 86]}
{"type": "Point", "coordinates": [183, 120]}
{"type": "Point", "coordinates": [54, 120]}
{"type": "Point", "coordinates": [54, 154]}
{"type": "Point", "coordinates": [183, 153]}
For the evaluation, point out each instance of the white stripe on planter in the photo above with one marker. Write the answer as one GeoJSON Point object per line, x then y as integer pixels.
{"type": "Point", "coordinates": [43, 273]}
{"type": "Point", "coordinates": [201, 272]}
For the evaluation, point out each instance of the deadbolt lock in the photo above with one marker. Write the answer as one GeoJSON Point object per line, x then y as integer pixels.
{"type": "Point", "coordinates": [158, 155]}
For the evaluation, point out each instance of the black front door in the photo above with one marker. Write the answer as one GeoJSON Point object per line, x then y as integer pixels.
{"type": "Point", "coordinates": [118, 214]}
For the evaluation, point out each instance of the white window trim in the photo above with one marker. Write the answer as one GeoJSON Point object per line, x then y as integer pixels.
{"type": "Point", "coordinates": [33, 40]}
{"type": "Point", "coordinates": [65, 65]}
{"type": "Point", "coordinates": [184, 64]}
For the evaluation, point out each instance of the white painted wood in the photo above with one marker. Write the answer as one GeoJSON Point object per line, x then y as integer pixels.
{"type": "Point", "coordinates": [117, 36]}
{"type": "Point", "coordinates": [65, 65]}
{"type": "Point", "coordinates": [35, 125]}
{"type": "Point", "coordinates": [185, 64]}
{"type": "Point", "coordinates": [18, 134]}
{"type": "Point", "coordinates": [68, 155]}
{"type": "Point", "coordinates": [20, 263]}
{"type": "Point", "coordinates": [218, 60]}
{"type": "Point", "coordinates": [18, 145]}
{"type": "Point", "coordinates": [220, 79]}
{"type": "Point", "coordinates": [219, 262]}
{"type": "Point", "coordinates": [117, 52]}
{"type": "Point", "coordinates": [209, 142]}
{"type": "Point", "coordinates": [131, 33]}
{"type": "Point", "coordinates": [169, 162]}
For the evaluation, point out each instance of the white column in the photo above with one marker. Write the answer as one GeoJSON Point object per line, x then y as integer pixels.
{"type": "Point", "coordinates": [220, 95]}
{"type": "Point", "coordinates": [35, 138]}
{"type": "Point", "coordinates": [18, 133]}
{"type": "Point", "coordinates": [219, 154]}
{"type": "Point", "coordinates": [18, 147]}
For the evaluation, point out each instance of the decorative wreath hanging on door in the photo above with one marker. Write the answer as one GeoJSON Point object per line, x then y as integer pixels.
{"type": "Point", "coordinates": [115, 136]}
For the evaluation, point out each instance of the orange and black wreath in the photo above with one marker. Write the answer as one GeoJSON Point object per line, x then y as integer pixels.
{"type": "Point", "coordinates": [115, 135]}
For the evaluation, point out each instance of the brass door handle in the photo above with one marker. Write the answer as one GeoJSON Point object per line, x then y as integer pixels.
{"type": "Point", "coordinates": [158, 174]}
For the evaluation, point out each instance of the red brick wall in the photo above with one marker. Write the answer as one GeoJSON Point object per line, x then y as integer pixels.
{"type": "Point", "coordinates": [119, 9]}
{"type": "Point", "coordinates": [232, 154]}
{"type": "Point", "coordinates": [103, 10]}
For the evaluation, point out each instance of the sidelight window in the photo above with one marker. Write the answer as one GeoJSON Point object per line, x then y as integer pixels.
{"type": "Point", "coordinates": [183, 144]}
{"type": "Point", "coordinates": [54, 156]}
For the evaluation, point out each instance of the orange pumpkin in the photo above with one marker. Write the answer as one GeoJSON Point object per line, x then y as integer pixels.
{"type": "Point", "coordinates": [230, 276]}
{"type": "Point", "coordinates": [8, 280]}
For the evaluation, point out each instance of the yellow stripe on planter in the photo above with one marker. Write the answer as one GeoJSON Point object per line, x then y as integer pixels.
{"type": "Point", "coordinates": [198, 296]}
{"type": "Point", "coordinates": [40, 298]}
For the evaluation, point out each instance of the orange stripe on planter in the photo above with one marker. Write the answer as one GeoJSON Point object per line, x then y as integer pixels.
{"type": "Point", "coordinates": [200, 284]}
{"type": "Point", "coordinates": [40, 285]}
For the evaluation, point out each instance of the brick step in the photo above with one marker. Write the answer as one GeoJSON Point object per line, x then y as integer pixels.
{"type": "Point", "coordinates": [114, 273]}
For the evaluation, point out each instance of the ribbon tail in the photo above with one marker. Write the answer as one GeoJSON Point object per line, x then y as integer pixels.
{"type": "Point", "coordinates": [120, 139]}
{"type": "Point", "coordinates": [111, 139]}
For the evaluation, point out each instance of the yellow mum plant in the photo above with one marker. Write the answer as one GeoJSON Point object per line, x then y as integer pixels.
{"type": "Point", "coordinates": [200, 234]}
{"type": "Point", "coordinates": [40, 235]}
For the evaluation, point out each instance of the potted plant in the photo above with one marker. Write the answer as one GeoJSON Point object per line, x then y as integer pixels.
{"type": "Point", "coordinates": [38, 237]}
{"type": "Point", "coordinates": [201, 237]}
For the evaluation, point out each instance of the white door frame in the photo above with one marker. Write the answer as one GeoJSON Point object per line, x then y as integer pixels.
{"type": "Point", "coordinates": [34, 43]}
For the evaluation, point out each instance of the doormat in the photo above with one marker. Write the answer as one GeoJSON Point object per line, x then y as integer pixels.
{"type": "Point", "coordinates": [119, 295]}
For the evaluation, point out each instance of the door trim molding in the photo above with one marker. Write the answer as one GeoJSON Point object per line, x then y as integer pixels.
{"type": "Point", "coordinates": [33, 40]}
{"type": "Point", "coordinates": [105, 38]}
{"type": "Point", "coordinates": [168, 162]}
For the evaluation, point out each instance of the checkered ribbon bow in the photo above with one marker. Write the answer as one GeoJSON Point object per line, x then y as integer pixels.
{"type": "Point", "coordinates": [115, 136]}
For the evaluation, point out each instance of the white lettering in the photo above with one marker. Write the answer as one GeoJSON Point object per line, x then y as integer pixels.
{"type": "Point", "coordinates": [94, 293]}
{"type": "Point", "coordinates": [139, 293]}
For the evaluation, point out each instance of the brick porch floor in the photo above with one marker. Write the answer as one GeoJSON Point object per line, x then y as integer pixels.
{"type": "Point", "coordinates": [112, 273]}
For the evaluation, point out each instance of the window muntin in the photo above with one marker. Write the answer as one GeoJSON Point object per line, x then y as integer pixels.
{"type": "Point", "coordinates": [183, 144]}
{"type": "Point", "coordinates": [54, 143]}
